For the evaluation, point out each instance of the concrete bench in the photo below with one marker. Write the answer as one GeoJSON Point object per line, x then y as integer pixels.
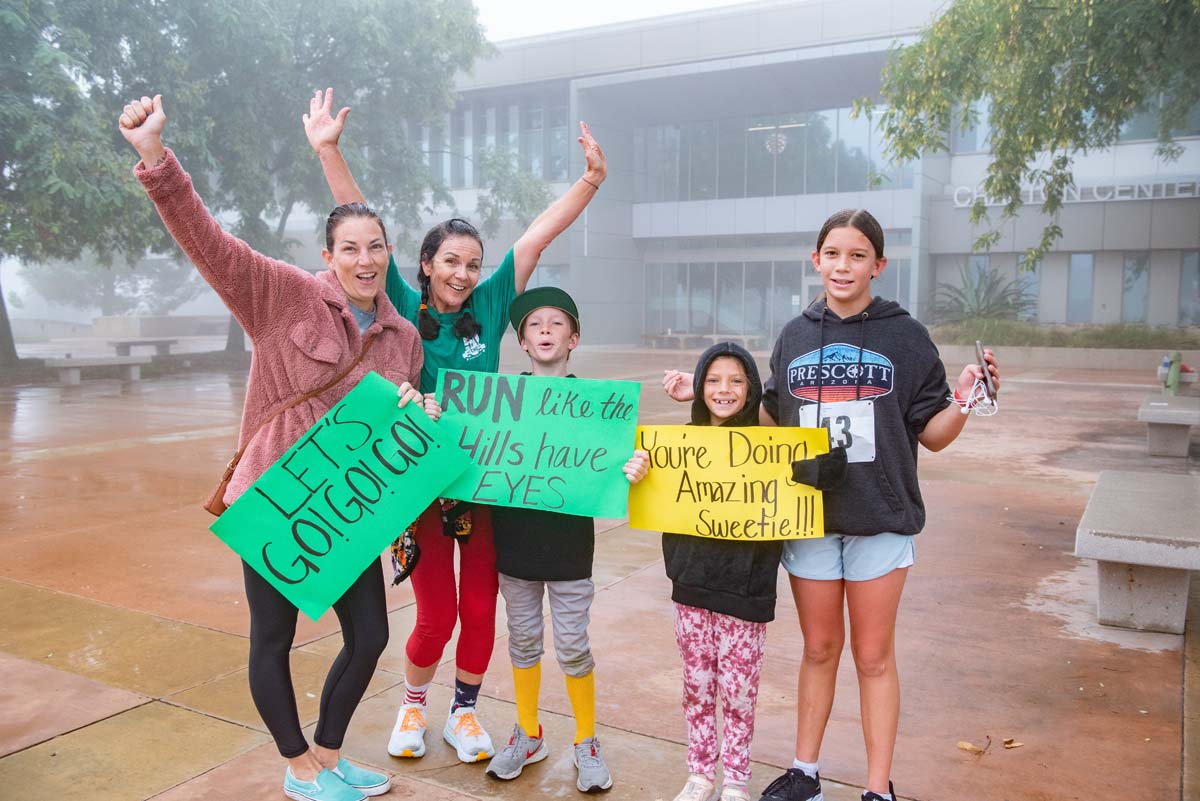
{"type": "Point", "coordinates": [162, 347]}
{"type": "Point", "coordinates": [1168, 420]}
{"type": "Point", "coordinates": [69, 369]}
{"type": "Point", "coordinates": [1144, 531]}
{"type": "Point", "coordinates": [676, 341]}
{"type": "Point", "coordinates": [747, 341]}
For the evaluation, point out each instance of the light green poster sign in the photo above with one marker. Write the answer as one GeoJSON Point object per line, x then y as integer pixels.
{"type": "Point", "coordinates": [556, 444]}
{"type": "Point", "coordinates": [316, 519]}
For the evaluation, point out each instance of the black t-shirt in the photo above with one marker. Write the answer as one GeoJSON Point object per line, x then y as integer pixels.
{"type": "Point", "coordinates": [537, 545]}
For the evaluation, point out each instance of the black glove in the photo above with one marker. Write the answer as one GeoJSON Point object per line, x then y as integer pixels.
{"type": "Point", "coordinates": [824, 472]}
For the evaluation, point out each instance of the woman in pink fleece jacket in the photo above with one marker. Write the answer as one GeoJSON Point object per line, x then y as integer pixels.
{"type": "Point", "coordinates": [305, 329]}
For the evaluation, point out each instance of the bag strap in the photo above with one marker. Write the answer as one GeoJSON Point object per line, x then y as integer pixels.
{"type": "Point", "coordinates": [237, 457]}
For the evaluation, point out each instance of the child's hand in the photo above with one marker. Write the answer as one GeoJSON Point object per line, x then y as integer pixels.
{"type": "Point", "coordinates": [637, 467]}
{"type": "Point", "coordinates": [678, 385]}
{"type": "Point", "coordinates": [973, 372]}
{"type": "Point", "coordinates": [432, 407]}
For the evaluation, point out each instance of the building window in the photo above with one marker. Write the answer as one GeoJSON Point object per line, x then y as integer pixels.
{"type": "Point", "coordinates": [548, 275]}
{"type": "Point", "coordinates": [1135, 287]}
{"type": "Point", "coordinates": [820, 152]}
{"type": "Point", "coordinates": [560, 150]}
{"type": "Point", "coordinates": [765, 155]}
{"type": "Point", "coordinates": [702, 160]}
{"type": "Point", "coordinates": [730, 298]}
{"type": "Point", "coordinates": [975, 138]}
{"type": "Point", "coordinates": [1030, 283]}
{"type": "Point", "coordinates": [459, 144]}
{"type": "Point", "coordinates": [1079, 288]}
{"type": "Point", "coordinates": [1145, 121]}
{"type": "Point", "coordinates": [854, 152]}
{"type": "Point", "coordinates": [531, 139]}
{"type": "Point", "coordinates": [731, 157]}
{"type": "Point", "coordinates": [1189, 289]}
{"type": "Point", "coordinates": [978, 265]}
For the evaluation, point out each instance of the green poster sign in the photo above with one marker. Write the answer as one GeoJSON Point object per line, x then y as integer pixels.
{"type": "Point", "coordinates": [556, 444]}
{"type": "Point", "coordinates": [314, 521]}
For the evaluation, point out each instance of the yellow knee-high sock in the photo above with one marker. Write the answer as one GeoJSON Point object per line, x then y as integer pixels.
{"type": "Point", "coordinates": [582, 692]}
{"type": "Point", "coordinates": [527, 683]}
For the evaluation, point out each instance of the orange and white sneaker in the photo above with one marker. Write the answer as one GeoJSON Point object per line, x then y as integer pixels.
{"type": "Point", "coordinates": [466, 735]}
{"type": "Point", "coordinates": [408, 736]}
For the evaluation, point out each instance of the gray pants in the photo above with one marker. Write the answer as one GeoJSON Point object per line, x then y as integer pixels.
{"type": "Point", "coordinates": [570, 602]}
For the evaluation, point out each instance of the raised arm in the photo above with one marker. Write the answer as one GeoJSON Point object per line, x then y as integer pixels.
{"type": "Point", "coordinates": [247, 281]}
{"type": "Point", "coordinates": [562, 212]}
{"type": "Point", "coordinates": [323, 131]}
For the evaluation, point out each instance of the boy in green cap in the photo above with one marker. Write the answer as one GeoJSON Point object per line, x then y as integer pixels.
{"type": "Point", "coordinates": [538, 551]}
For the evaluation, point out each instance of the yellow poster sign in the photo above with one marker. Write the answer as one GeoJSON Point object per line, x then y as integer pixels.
{"type": "Point", "coordinates": [728, 483]}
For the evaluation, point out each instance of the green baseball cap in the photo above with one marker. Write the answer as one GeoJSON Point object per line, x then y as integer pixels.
{"type": "Point", "coordinates": [541, 297]}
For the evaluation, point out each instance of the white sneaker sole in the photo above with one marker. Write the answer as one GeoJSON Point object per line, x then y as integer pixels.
{"type": "Point", "coordinates": [401, 750]}
{"type": "Point", "coordinates": [539, 753]}
{"type": "Point", "coordinates": [464, 756]}
{"type": "Point", "coordinates": [377, 789]}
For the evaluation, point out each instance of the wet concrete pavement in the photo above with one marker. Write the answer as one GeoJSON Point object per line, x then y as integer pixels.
{"type": "Point", "coordinates": [123, 640]}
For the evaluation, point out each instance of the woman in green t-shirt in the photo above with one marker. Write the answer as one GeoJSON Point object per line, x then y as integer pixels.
{"type": "Point", "coordinates": [461, 320]}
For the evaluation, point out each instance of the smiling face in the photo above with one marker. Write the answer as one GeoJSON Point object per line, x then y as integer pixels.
{"type": "Point", "coordinates": [359, 259]}
{"type": "Point", "coordinates": [548, 335]}
{"type": "Point", "coordinates": [453, 273]}
{"type": "Point", "coordinates": [726, 388]}
{"type": "Point", "coordinates": [846, 263]}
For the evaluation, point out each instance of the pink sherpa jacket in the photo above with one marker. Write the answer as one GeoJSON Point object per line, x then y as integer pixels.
{"type": "Point", "coordinates": [302, 329]}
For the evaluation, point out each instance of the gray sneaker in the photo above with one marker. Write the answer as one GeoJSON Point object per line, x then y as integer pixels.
{"type": "Point", "coordinates": [593, 773]}
{"type": "Point", "coordinates": [520, 751]}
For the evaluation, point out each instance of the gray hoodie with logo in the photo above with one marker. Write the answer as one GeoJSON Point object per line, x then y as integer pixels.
{"type": "Point", "coordinates": [874, 379]}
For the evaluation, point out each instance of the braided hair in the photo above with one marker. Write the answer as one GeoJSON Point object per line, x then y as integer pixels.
{"type": "Point", "coordinates": [466, 326]}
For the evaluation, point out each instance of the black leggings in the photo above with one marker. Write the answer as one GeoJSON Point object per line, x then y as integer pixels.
{"type": "Point", "coordinates": [362, 612]}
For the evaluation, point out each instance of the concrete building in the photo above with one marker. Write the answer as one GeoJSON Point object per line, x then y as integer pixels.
{"type": "Point", "coordinates": [729, 141]}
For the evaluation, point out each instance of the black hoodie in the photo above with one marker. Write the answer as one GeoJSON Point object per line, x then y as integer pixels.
{"type": "Point", "coordinates": [882, 359]}
{"type": "Point", "coordinates": [732, 578]}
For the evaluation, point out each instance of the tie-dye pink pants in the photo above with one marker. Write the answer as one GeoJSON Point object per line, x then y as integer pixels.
{"type": "Point", "coordinates": [721, 654]}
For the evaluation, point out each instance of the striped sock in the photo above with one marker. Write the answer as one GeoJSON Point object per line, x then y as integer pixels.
{"type": "Point", "coordinates": [416, 695]}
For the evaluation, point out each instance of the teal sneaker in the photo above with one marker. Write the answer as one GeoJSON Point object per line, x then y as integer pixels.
{"type": "Point", "coordinates": [367, 782]}
{"type": "Point", "coordinates": [326, 787]}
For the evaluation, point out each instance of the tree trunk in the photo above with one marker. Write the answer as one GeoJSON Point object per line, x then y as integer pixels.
{"type": "Point", "coordinates": [235, 340]}
{"type": "Point", "coordinates": [8, 346]}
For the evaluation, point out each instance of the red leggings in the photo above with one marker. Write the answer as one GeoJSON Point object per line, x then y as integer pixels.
{"type": "Point", "coordinates": [440, 604]}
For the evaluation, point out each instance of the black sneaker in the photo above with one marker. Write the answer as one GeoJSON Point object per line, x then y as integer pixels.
{"type": "Point", "coordinates": [870, 796]}
{"type": "Point", "coordinates": [795, 785]}
{"type": "Point", "coordinates": [875, 796]}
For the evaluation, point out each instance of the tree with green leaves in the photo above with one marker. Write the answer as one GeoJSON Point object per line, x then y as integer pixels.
{"type": "Point", "coordinates": [508, 191]}
{"type": "Point", "coordinates": [1060, 76]}
{"type": "Point", "coordinates": [157, 286]}
{"type": "Point", "coordinates": [237, 72]}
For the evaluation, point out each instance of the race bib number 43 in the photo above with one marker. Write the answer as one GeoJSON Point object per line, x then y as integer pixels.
{"type": "Point", "coordinates": [851, 424]}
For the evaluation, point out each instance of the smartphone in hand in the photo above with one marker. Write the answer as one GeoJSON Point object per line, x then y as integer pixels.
{"type": "Point", "coordinates": [988, 380]}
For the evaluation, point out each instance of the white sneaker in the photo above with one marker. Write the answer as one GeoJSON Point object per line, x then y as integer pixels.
{"type": "Point", "coordinates": [697, 788]}
{"type": "Point", "coordinates": [466, 735]}
{"type": "Point", "coordinates": [408, 735]}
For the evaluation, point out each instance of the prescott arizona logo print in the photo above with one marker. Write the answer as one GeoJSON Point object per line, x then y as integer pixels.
{"type": "Point", "coordinates": [840, 373]}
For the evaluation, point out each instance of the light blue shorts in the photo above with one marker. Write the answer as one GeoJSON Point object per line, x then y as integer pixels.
{"type": "Point", "coordinates": [838, 556]}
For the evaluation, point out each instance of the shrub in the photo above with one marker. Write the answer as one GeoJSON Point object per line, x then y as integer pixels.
{"type": "Point", "coordinates": [981, 295]}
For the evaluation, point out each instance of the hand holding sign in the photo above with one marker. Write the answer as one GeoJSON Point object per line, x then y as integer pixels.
{"type": "Point", "coordinates": [728, 483]}
{"type": "Point", "coordinates": [316, 518]}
